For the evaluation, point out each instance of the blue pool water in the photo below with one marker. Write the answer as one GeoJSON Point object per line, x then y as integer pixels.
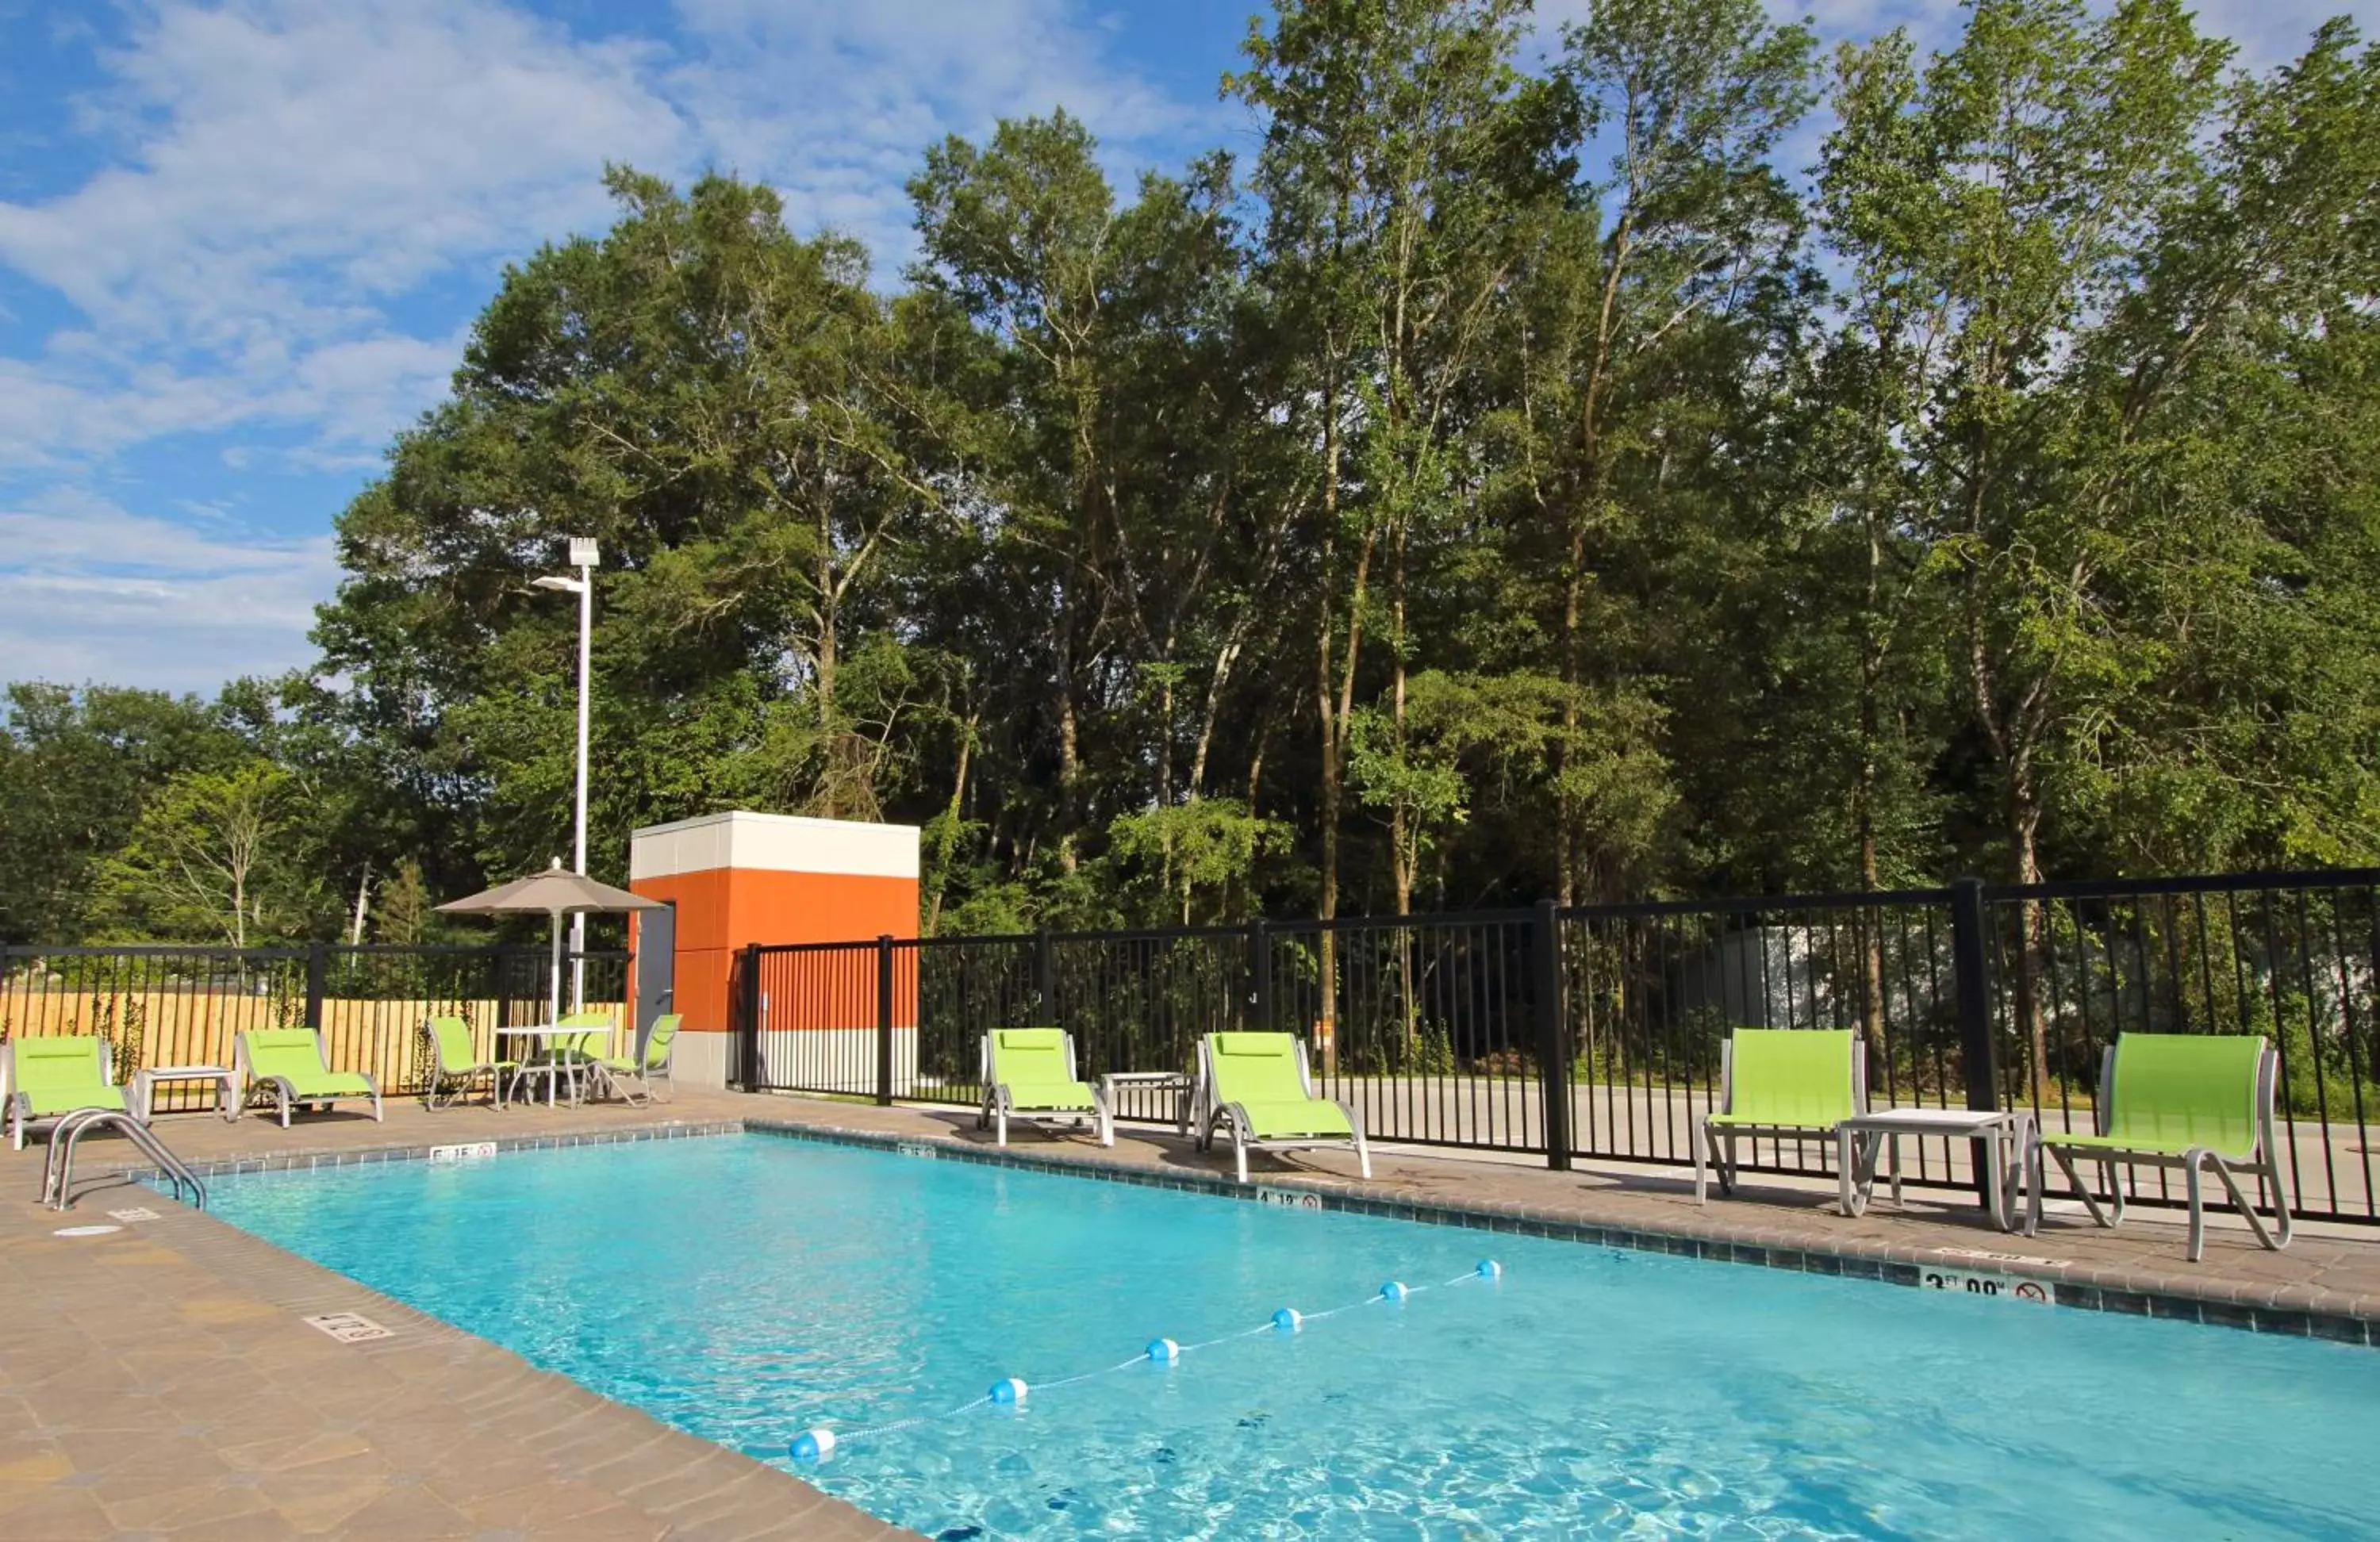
{"type": "Point", "coordinates": [747, 1288]}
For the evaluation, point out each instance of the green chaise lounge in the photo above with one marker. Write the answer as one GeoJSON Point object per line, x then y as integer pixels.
{"type": "Point", "coordinates": [1257, 1087]}
{"type": "Point", "coordinates": [1791, 1083]}
{"type": "Point", "coordinates": [1030, 1071]}
{"type": "Point", "coordinates": [292, 1065]}
{"type": "Point", "coordinates": [644, 1069]}
{"type": "Point", "coordinates": [56, 1076]}
{"type": "Point", "coordinates": [2185, 1100]}
{"type": "Point", "coordinates": [459, 1066]}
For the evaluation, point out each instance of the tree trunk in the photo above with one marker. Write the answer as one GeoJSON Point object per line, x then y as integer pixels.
{"type": "Point", "coordinates": [2024, 825]}
{"type": "Point", "coordinates": [1404, 840]}
{"type": "Point", "coordinates": [1871, 927]}
{"type": "Point", "coordinates": [1069, 753]}
{"type": "Point", "coordinates": [1225, 657]}
{"type": "Point", "coordinates": [363, 902]}
{"type": "Point", "coordinates": [1325, 625]}
{"type": "Point", "coordinates": [958, 801]}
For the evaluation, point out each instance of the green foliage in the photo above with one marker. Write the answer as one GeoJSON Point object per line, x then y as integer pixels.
{"type": "Point", "coordinates": [1199, 857]}
{"type": "Point", "coordinates": [1515, 478]}
{"type": "Point", "coordinates": [215, 857]}
{"type": "Point", "coordinates": [75, 769]}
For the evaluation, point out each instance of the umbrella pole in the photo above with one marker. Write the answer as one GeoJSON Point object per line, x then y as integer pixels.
{"type": "Point", "coordinates": [554, 992]}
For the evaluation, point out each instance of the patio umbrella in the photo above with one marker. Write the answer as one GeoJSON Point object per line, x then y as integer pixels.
{"type": "Point", "coordinates": [552, 892]}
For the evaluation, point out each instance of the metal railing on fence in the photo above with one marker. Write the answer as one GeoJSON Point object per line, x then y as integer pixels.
{"type": "Point", "coordinates": [172, 1005]}
{"type": "Point", "coordinates": [1595, 1031]}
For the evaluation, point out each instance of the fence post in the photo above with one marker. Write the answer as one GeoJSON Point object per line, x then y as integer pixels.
{"type": "Point", "coordinates": [1261, 975]}
{"type": "Point", "coordinates": [744, 1016]}
{"type": "Point", "coordinates": [1553, 1050]}
{"type": "Point", "coordinates": [884, 1020]}
{"type": "Point", "coordinates": [1045, 977]}
{"type": "Point", "coordinates": [318, 969]}
{"type": "Point", "coordinates": [1970, 974]}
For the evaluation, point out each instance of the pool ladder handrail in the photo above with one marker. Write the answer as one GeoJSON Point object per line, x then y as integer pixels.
{"type": "Point", "coordinates": [58, 1170]}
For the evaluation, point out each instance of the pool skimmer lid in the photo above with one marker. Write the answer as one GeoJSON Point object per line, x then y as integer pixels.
{"type": "Point", "coordinates": [85, 1231]}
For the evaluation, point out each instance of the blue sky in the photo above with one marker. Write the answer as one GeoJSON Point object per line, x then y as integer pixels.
{"type": "Point", "coordinates": [241, 240]}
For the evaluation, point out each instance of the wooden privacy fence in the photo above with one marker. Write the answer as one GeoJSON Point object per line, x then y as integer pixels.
{"type": "Point", "coordinates": [171, 1006]}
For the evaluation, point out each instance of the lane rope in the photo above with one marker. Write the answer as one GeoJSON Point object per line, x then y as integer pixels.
{"type": "Point", "coordinates": [821, 1441]}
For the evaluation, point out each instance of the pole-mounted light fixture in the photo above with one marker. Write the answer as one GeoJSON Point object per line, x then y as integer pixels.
{"type": "Point", "coordinates": [583, 556]}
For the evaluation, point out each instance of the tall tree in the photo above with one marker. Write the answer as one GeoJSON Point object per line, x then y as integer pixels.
{"type": "Point", "coordinates": [215, 857]}
{"type": "Point", "coordinates": [1394, 156]}
{"type": "Point", "coordinates": [76, 768]}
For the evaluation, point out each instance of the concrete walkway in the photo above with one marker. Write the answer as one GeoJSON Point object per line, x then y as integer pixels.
{"type": "Point", "coordinates": [160, 1380]}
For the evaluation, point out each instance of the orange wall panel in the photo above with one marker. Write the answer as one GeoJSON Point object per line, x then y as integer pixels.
{"type": "Point", "coordinates": [723, 910]}
{"type": "Point", "coordinates": [702, 900]}
{"type": "Point", "coordinates": [703, 989]}
{"type": "Point", "coordinates": [818, 907]}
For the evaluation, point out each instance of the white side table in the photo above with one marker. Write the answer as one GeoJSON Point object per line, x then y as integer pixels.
{"type": "Point", "coordinates": [1181, 1087]}
{"type": "Point", "coordinates": [144, 1087]}
{"type": "Point", "coordinates": [2011, 1156]}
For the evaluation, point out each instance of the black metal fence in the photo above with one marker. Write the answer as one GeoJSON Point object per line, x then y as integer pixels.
{"type": "Point", "coordinates": [1596, 1031]}
{"type": "Point", "coordinates": [162, 1005]}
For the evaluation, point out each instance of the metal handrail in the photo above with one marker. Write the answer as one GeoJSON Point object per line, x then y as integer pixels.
{"type": "Point", "coordinates": [58, 1170]}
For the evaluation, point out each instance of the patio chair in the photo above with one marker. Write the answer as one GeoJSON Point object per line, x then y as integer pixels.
{"type": "Point", "coordinates": [1257, 1087]}
{"type": "Point", "coordinates": [458, 1065]}
{"type": "Point", "coordinates": [1792, 1084]}
{"type": "Point", "coordinates": [2185, 1100]}
{"type": "Point", "coordinates": [293, 1065]}
{"type": "Point", "coordinates": [645, 1068]}
{"type": "Point", "coordinates": [1029, 1073]}
{"type": "Point", "coordinates": [51, 1076]}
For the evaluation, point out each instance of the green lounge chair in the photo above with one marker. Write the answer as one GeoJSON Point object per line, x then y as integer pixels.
{"type": "Point", "coordinates": [1257, 1087]}
{"type": "Point", "coordinates": [1793, 1084]}
{"type": "Point", "coordinates": [2185, 1100]}
{"type": "Point", "coordinates": [292, 1065]}
{"type": "Point", "coordinates": [1031, 1072]}
{"type": "Point", "coordinates": [51, 1076]}
{"type": "Point", "coordinates": [652, 1064]}
{"type": "Point", "coordinates": [458, 1065]}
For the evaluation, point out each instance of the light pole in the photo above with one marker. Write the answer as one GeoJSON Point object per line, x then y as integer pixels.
{"type": "Point", "coordinates": [582, 557]}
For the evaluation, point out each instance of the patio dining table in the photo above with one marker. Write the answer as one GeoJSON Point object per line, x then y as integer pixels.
{"type": "Point", "coordinates": [549, 1032]}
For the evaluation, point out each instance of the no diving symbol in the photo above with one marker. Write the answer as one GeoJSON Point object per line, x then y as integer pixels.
{"type": "Point", "coordinates": [2032, 1290]}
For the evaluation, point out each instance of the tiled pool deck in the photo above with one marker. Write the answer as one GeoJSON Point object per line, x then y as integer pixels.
{"type": "Point", "coordinates": [159, 1380]}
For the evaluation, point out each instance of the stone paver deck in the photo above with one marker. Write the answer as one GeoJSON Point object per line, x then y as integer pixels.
{"type": "Point", "coordinates": [159, 1380]}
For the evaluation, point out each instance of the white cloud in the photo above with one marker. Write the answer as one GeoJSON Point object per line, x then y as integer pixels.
{"type": "Point", "coordinates": [290, 173]}
{"type": "Point", "coordinates": [836, 104]}
{"type": "Point", "coordinates": [90, 591]}
{"type": "Point", "coordinates": [284, 182]}
{"type": "Point", "coordinates": [287, 171]}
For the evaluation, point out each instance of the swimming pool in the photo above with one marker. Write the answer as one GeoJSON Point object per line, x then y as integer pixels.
{"type": "Point", "coordinates": [746, 1288]}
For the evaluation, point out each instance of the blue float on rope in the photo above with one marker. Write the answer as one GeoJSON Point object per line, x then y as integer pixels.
{"type": "Point", "coordinates": [1008, 1389]}
{"type": "Point", "coordinates": [1394, 1291]}
{"type": "Point", "coordinates": [1489, 1269]}
{"type": "Point", "coordinates": [1164, 1351]}
{"type": "Point", "coordinates": [1287, 1320]}
{"type": "Point", "coordinates": [813, 1445]}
